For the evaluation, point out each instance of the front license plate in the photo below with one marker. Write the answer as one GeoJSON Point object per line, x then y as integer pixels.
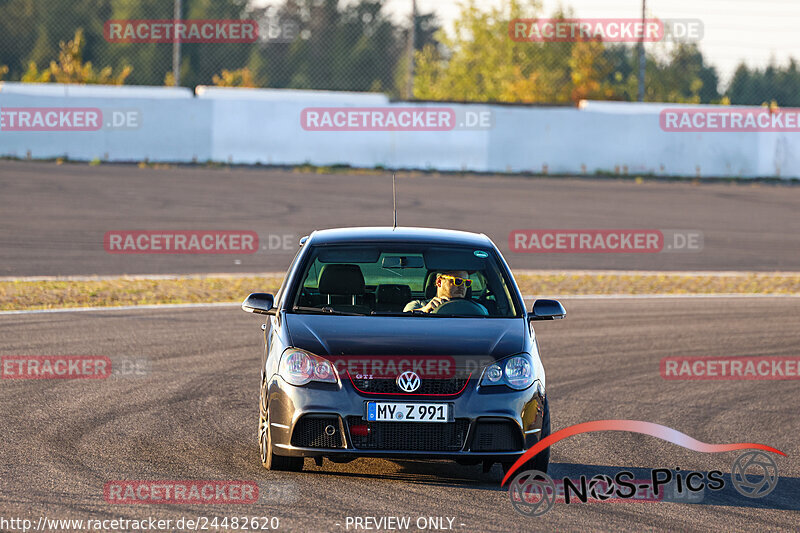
{"type": "Point", "coordinates": [408, 412]}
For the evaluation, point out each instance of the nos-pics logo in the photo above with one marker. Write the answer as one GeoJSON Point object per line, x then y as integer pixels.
{"type": "Point", "coordinates": [754, 474]}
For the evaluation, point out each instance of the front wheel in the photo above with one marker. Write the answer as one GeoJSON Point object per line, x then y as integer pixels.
{"type": "Point", "coordinates": [269, 460]}
{"type": "Point", "coordinates": [541, 460]}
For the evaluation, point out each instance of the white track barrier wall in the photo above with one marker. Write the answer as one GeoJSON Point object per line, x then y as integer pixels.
{"type": "Point", "coordinates": [173, 126]}
{"type": "Point", "coordinates": [251, 126]}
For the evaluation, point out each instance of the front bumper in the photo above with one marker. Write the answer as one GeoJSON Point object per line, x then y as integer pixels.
{"type": "Point", "coordinates": [328, 420]}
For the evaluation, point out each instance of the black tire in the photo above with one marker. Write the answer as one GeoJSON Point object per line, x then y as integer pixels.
{"type": "Point", "coordinates": [269, 459]}
{"type": "Point", "coordinates": [541, 461]}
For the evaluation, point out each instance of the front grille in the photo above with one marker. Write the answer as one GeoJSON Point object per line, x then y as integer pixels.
{"type": "Point", "coordinates": [433, 386]}
{"type": "Point", "coordinates": [496, 436]}
{"type": "Point", "coordinates": [402, 436]}
{"type": "Point", "coordinates": [309, 432]}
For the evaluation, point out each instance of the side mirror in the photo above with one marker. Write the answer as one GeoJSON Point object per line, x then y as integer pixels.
{"type": "Point", "coordinates": [547, 310]}
{"type": "Point", "coordinates": [259, 303]}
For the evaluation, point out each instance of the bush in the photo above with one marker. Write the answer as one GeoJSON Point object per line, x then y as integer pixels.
{"type": "Point", "coordinates": [70, 67]}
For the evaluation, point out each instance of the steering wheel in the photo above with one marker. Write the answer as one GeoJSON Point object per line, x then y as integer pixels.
{"type": "Point", "coordinates": [461, 306]}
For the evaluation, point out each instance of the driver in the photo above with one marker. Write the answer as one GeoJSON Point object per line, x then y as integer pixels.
{"type": "Point", "coordinates": [449, 285]}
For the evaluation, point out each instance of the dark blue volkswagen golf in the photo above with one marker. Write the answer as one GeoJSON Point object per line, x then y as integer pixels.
{"type": "Point", "coordinates": [400, 343]}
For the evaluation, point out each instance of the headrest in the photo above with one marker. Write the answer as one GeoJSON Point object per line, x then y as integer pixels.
{"type": "Point", "coordinates": [341, 279]}
{"type": "Point", "coordinates": [430, 286]}
{"type": "Point", "coordinates": [393, 294]}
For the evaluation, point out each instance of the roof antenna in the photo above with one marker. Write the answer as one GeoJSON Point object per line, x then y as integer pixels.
{"type": "Point", "coordinates": [394, 200]}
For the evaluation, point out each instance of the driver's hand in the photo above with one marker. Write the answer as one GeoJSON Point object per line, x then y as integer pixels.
{"type": "Point", "coordinates": [434, 303]}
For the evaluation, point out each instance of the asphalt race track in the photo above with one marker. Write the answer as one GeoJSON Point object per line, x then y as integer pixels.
{"type": "Point", "coordinates": [182, 402]}
{"type": "Point", "coordinates": [53, 217]}
{"type": "Point", "coordinates": [191, 415]}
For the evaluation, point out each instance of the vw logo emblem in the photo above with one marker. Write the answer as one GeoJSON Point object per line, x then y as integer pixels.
{"type": "Point", "coordinates": [408, 381]}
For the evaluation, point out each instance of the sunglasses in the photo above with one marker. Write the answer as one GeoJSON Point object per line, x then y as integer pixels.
{"type": "Point", "coordinates": [458, 281]}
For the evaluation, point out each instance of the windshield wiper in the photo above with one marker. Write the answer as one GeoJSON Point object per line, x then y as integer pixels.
{"type": "Point", "coordinates": [324, 311]}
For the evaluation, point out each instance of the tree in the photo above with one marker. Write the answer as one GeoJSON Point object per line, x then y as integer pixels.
{"type": "Point", "coordinates": [347, 46]}
{"type": "Point", "coordinates": [758, 87]}
{"type": "Point", "coordinates": [682, 77]}
{"type": "Point", "coordinates": [34, 75]}
{"type": "Point", "coordinates": [236, 78]}
{"type": "Point", "coordinates": [70, 67]}
{"type": "Point", "coordinates": [31, 30]}
{"type": "Point", "coordinates": [479, 62]}
{"type": "Point", "coordinates": [353, 48]}
{"type": "Point", "coordinates": [482, 63]}
{"type": "Point", "coordinates": [591, 71]}
{"type": "Point", "coordinates": [17, 34]}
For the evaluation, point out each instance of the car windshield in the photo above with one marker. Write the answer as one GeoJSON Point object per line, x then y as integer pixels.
{"type": "Point", "coordinates": [392, 279]}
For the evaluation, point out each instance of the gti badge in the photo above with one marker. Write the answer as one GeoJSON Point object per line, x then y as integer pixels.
{"type": "Point", "coordinates": [408, 381]}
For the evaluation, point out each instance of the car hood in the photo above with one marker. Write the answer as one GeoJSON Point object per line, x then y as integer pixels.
{"type": "Point", "coordinates": [372, 335]}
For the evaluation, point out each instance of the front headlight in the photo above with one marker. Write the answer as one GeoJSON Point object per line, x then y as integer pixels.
{"type": "Point", "coordinates": [299, 367]}
{"type": "Point", "coordinates": [515, 372]}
